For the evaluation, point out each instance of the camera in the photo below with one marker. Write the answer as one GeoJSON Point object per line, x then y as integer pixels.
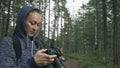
{"type": "Point", "coordinates": [54, 50]}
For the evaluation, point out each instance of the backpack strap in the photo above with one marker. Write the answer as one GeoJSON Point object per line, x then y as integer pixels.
{"type": "Point", "coordinates": [16, 46]}
{"type": "Point", "coordinates": [39, 44]}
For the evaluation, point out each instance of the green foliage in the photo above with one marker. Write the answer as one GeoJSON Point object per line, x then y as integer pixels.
{"type": "Point", "coordinates": [83, 32]}
{"type": "Point", "coordinates": [77, 35]}
{"type": "Point", "coordinates": [91, 61]}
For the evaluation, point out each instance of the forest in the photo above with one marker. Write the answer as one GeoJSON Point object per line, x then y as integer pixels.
{"type": "Point", "coordinates": [91, 36]}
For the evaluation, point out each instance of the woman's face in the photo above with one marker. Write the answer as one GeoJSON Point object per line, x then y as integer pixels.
{"type": "Point", "coordinates": [32, 23]}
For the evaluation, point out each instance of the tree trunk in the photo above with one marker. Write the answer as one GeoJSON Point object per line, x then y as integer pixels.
{"type": "Point", "coordinates": [115, 34]}
{"type": "Point", "coordinates": [49, 24]}
{"type": "Point", "coordinates": [56, 18]}
{"type": "Point", "coordinates": [44, 2]}
{"type": "Point", "coordinates": [96, 25]}
{"type": "Point", "coordinates": [8, 18]}
{"type": "Point", "coordinates": [104, 31]}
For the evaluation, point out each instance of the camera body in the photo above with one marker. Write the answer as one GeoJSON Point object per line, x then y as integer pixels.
{"type": "Point", "coordinates": [54, 50]}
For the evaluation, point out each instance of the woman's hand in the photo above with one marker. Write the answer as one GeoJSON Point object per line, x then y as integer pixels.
{"type": "Point", "coordinates": [41, 58]}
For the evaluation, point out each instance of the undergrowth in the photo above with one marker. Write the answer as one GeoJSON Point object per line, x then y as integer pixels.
{"type": "Point", "coordinates": [91, 61]}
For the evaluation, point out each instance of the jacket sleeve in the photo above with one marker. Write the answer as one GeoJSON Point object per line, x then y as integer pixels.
{"type": "Point", "coordinates": [8, 57]}
{"type": "Point", "coordinates": [7, 54]}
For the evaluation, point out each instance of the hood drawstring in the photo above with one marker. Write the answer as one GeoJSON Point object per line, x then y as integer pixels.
{"type": "Point", "coordinates": [30, 44]}
{"type": "Point", "coordinates": [27, 42]}
{"type": "Point", "coordinates": [32, 48]}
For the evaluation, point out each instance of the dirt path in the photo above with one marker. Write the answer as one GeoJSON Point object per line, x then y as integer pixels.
{"type": "Point", "coordinates": [72, 63]}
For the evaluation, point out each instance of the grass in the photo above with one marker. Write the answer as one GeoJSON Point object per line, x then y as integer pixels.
{"type": "Point", "coordinates": [90, 61]}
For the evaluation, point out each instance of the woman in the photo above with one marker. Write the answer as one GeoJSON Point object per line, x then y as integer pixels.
{"type": "Point", "coordinates": [27, 28]}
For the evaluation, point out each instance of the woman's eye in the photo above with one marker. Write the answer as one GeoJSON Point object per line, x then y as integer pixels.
{"type": "Point", "coordinates": [32, 23]}
{"type": "Point", "coordinates": [38, 24]}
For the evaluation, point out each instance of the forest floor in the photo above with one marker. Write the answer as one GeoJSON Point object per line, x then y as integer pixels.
{"type": "Point", "coordinates": [72, 63]}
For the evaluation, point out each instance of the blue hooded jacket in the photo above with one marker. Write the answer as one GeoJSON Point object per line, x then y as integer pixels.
{"type": "Point", "coordinates": [28, 47]}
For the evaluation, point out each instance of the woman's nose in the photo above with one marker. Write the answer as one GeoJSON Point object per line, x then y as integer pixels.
{"type": "Point", "coordinates": [35, 27]}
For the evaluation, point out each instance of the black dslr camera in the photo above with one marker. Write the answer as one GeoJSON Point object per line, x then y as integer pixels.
{"type": "Point", "coordinates": [54, 50]}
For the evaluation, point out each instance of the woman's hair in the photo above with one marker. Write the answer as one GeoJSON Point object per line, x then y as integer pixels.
{"type": "Point", "coordinates": [34, 10]}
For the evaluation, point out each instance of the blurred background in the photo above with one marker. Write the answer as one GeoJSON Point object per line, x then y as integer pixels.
{"type": "Point", "coordinates": [88, 31]}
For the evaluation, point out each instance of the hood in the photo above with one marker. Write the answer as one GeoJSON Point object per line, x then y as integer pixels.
{"type": "Point", "coordinates": [20, 30]}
